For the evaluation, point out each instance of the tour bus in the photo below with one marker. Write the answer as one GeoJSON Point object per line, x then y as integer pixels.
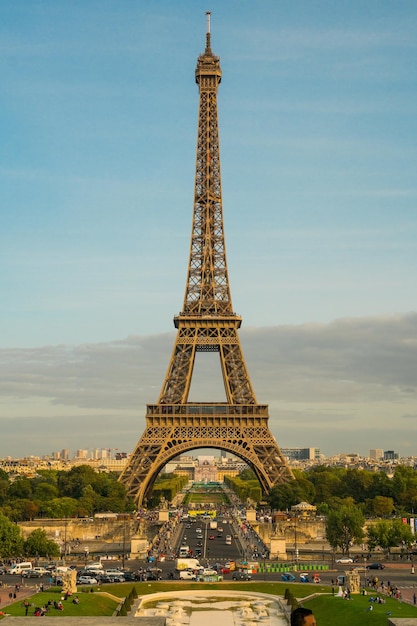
{"type": "Point", "coordinates": [228, 540]}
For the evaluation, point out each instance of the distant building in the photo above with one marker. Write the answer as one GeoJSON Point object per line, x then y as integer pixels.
{"type": "Point", "coordinates": [206, 471]}
{"type": "Point", "coordinates": [390, 455]}
{"type": "Point", "coordinates": [302, 454]}
{"type": "Point", "coordinates": [376, 454]}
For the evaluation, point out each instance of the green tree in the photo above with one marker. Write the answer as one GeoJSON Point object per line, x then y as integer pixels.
{"type": "Point", "coordinates": [38, 544]}
{"type": "Point", "coordinates": [61, 507]}
{"type": "Point", "coordinates": [89, 500]}
{"type": "Point", "coordinates": [327, 483]}
{"type": "Point", "coordinates": [43, 492]}
{"type": "Point", "coordinates": [357, 484]}
{"type": "Point", "coordinates": [381, 485]}
{"type": "Point", "coordinates": [247, 474]}
{"type": "Point", "coordinates": [380, 506]}
{"type": "Point", "coordinates": [372, 538]}
{"type": "Point", "coordinates": [283, 497]}
{"type": "Point", "coordinates": [20, 488]}
{"type": "Point", "coordinates": [11, 540]}
{"type": "Point", "coordinates": [72, 484]}
{"type": "Point", "coordinates": [378, 535]}
{"type": "Point", "coordinates": [404, 485]}
{"type": "Point", "coordinates": [4, 488]}
{"type": "Point", "coordinates": [389, 534]}
{"type": "Point", "coordinates": [18, 510]}
{"type": "Point", "coordinates": [344, 526]}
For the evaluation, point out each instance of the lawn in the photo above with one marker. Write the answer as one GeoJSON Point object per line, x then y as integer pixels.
{"type": "Point", "coordinates": [327, 609]}
{"type": "Point", "coordinates": [90, 604]}
{"type": "Point", "coordinates": [202, 498]}
{"type": "Point", "coordinates": [331, 610]}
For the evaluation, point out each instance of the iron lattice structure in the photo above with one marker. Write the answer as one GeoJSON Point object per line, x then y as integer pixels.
{"type": "Point", "coordinates": [207, 323]}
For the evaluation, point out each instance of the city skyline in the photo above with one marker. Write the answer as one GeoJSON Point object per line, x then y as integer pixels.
{"type": "Point", "coordinates": [200, 454]}
{"type": "Point", "coordinates": [317, 133]}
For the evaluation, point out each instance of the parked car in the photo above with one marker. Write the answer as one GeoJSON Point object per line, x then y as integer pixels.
{"type": "Point", "coordinates": [111, 578]}
{"type": "Point", "coordinates": [241, 576]}
{"type": "Point", "coordinates": [153, 574]}
{"type": "Point", "coordinates": [42, 570]}
{"type": "Point", "coordinates": [31, 573]}
{"type": "Point", "coordinates": [288, 577]}
{"type": "Point", "coordinates": [186, 574]}
{"type": "Point", "coordinates": [128, 576]}
{"type": "Point", "coordinates": [344, 560]}
{"type": "Point", "coordinates": [375, 566]}
{"type": "Point", "coordinates": [87, 580]}
{"type": "Point", "coordinates": [91, 573]}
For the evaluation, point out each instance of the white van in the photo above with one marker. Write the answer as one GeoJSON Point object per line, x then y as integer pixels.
{"type": "Point", "coordinates": [19, 568]}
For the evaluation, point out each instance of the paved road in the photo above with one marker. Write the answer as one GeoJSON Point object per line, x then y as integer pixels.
{"type": "Point", "coordinates": [25, 592]}
{"type": "Point", "coordinates": [206, 549]}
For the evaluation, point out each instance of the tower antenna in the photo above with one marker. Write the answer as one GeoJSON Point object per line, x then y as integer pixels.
{"type": "Point", "coordinates": [208, 34]}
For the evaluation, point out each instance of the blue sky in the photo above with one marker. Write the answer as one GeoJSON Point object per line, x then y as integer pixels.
{"type": "Point", "coordinates": [98, 122]}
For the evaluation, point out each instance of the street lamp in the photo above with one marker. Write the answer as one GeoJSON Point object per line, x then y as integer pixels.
{"type": "Point", "coordinates": [364, 568]}
{"type": "Point", "coordinates": [295, 544]}
{"type": "Point", "coordinates": [206, 549]}
{"type": "Point", "coordinates": [124, 542]}
{"type": "Point", "coordinates": [65, 539]}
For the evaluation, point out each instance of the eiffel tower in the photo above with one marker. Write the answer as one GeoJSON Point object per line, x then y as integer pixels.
{"type": "Point", "coordinates": [207, 323]}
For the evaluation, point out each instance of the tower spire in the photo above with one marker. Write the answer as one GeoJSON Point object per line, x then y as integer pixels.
{"type": "Point", "coordinates": [208, 33]}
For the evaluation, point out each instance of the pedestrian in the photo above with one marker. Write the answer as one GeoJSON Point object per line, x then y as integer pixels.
{"type": "Point", "coordinates": [302, 617]}
{"type": "Point", "coordinates": [414, 599]}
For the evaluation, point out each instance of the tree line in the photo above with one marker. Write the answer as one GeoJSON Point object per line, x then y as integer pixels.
{"type": "Point", "coordinates": [375, 494]}
{"type": "Point", "coordinates": [79, 492]}
{"type": "Point", "coordinates": [360, 506]}
{"type": "Point", "coordinates": [12, 544]}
